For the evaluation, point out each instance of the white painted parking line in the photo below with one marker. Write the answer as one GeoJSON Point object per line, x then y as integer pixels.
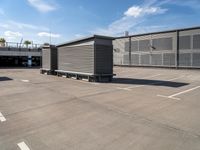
{"type": "Point", "coordinates": [23, 146]}
{"type": "Point", "coordinates": [180, 93]}
{"type": "Point", "coordinates": [173, 79]}
{"type": "Point", "coordinates": [175, 98]}
{"type": "Point", "coordinates": [25, 80]}
{"type": "Point", "coordinates": [126, 89]}
{"type": "Point", "coordinates": [186, 91]}
{"type": "Point", "coordinates": [2, 118]}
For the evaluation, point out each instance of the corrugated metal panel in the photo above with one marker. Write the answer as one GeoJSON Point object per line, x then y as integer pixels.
{"type": "Point", "coordinates": [156, 59]}
{"type": "Point", "coordinates": [134, 46]}
{"type": "Point", "coordinates": [127, 47]}
{"type": "Point", "coordinates": [145, 59]}
{"type": "Point", "coordinates": [126, 59]}
{"type": "Point", "coordinates": [135, 60]}
{"type": "Point", "coordinates": [165, 52]}
{"type": "Point", "coordinates": [103, 59]}
{"type": "Point", "coordinates": [119, 51]}
{"type": "Point", "coordinates": [169, 59]}
{"type": "Point", "coordinates": [144, 45]}
{"type": "Point", "coordinates": [196, 60]}
{"type": "Point", "coordinates": [196, 41]}
{"type": "Point", "coordinates": [76, 59]}
{"type": "Point", "coordinates": [185, 42]}
{"type": "Point", "coordinates": [46, 58]}
{"type": "Point", "coordinates": [185, 59]}
{"type": "Point", "coordinates": [162, 44]}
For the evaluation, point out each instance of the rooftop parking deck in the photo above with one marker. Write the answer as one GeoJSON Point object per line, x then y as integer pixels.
{"type": "Point", "coordinates": [143, 108]}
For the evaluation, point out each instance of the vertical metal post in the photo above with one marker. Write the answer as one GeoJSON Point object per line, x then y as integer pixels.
{"type": "Point", "coordinates": [130, 61]}
{"type": "Point", "coordinates": [177, 49]}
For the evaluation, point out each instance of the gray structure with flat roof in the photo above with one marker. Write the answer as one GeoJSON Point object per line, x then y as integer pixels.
{"type": "Point", "coordinates": [176, 48]}
{"type": "Point", "coordinates": [49, 59]}
{"type": "Point", "coordinates": [91, 57]}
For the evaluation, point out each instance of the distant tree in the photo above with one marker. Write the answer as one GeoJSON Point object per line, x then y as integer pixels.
{"type": "Point", "coordinates": [46, 44]}
{"type": "Point", "coordinates": [2, 42]}
{"type": "Point", "coordinates": [27, 43]}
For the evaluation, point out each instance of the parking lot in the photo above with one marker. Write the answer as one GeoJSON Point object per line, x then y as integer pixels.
{"type": "Point", "coordinates": [142, 109]}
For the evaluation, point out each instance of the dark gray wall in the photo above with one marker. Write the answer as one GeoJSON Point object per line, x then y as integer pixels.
{"type": "Point", "coordinates": [49, 58]}
{"type": "Point", "coordinates": [93, 57]}
{"type": "Point", "coordinates": [103, 59]}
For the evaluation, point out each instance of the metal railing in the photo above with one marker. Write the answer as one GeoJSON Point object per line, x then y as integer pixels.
{"type": "Point", "coordinates": [19, 45]}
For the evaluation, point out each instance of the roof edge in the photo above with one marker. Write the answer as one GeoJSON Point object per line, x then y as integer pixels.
{"type": "Point", "coordinates": [85, 39]}
{"type": "Point", "coordinates": [159, 32]}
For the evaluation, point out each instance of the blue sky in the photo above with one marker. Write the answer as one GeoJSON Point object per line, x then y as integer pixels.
{"type": "Point", "coordinates": [70, 19]}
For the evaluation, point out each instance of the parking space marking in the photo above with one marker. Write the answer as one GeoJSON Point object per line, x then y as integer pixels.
{"type": "Point", "coordinates": [180, 93]}
{"type": "Point", "coordinates": [25, 81]}
{"type": "Point", "coordinates": [126, 89]}
{"type": "Point", "coordinates": [2, 118]}
{"type": "Point", "coordinates": [23, 146]}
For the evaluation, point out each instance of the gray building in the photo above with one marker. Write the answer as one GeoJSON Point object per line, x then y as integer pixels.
{"type": "Point", "coordinates": [90, 57]}
{"type": "Point", "coordinates": [15, 54]}
{"type": "Point", "coordinates": [49, 59]}
{"type": "Point", "coordinates": [175, 48]}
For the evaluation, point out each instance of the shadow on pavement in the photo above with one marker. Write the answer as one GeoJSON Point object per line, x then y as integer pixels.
{"type": "Point", "coordinates": [5, 79]}
{"type": "Point", "coordinates": [148, 82]}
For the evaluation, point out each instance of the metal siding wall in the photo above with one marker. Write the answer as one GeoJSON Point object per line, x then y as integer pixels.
{"type": "Point", "coordinates": [190, 48]}
{"type": "Point", "coordinates": [145, 59]}
{"type": "Point", "coordinates": [196, 41]}
{"type": "Point", "coordinates": [134, 46]}
{"type": "Point", "coordinates": [184, 42]}
{"type": "Point", "coordinates": [144, 45]}
{"type": "Point", "coordinates": [162, 44]}
{"type": "Point", "coordinates": [161, 50]}
{"type": "Point", "coordinates": [104, 59]}
{"type": "Point", "coordinates": [169, 59]}
{"type": "Point", "coordinates": [54, 58]}
{"type": "Point", "coordinates": [156, 59]}
{"type": "Point", "coordinates": [185, 59]}
{"type": "Point", "coordinates": [135, 60]}
{"type": "Point", "coordinates": [196, 60]}
{"type": "Point", "coordinates": [76, 58]}
{"type": "Point", "coordinates": [120, 56]}
{"type": "Point", "coordinates": [46, 59]}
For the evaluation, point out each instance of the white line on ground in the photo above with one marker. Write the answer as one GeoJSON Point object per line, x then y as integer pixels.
{"type": "Point", "coordinates": [126, 89]}
{"type": "Point", "coordinates": [147, 77]}
{"type": "Point", "coordinates": [180, 93]}
{"type": "Point", "coordinates": [25, 80]}
{"type": "Point", "coordinates": [175, 98]}
{"type": "Point", "coordinates": [2, 118]}
{"type": "Point", "coordinates": [175, 78]}
{"type": "Point", "coordinates": [186, 91]}
{"type": "Point", "coordinates": [23, 146]}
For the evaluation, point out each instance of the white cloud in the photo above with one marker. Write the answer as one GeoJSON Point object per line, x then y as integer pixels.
{"type": "Point", "coordinates": [79, 35]}
{"type": "Point", "coordinates": [45, 34]}
{"type": "Point", "coordinates": [137, 11]}
{"type": "Point", "coordinates": [12, 34]}
{"type": "Point", "coordinates": [27, 26]}
{"type": "Point", "coordinates": [12, 25]}
{"type": "Point", "coordinates": [42, 5]}
{"type": "Point", "coordinates": [132, 17]}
